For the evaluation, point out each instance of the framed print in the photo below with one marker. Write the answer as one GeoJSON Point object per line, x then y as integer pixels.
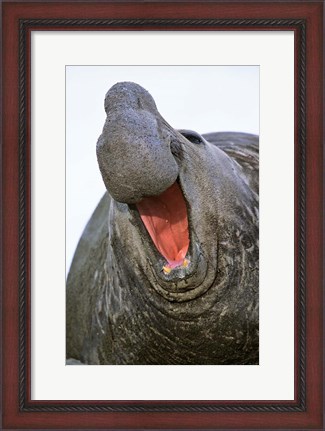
{"type": "Point", "coordinates": [168, 303]}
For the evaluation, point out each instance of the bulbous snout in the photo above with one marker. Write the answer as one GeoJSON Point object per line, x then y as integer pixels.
{"type": "Point", "coordinates": [133, 150]}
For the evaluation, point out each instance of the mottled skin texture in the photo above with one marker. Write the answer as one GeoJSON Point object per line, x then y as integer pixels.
{"type": "Point", "coordinates": [121, 307]}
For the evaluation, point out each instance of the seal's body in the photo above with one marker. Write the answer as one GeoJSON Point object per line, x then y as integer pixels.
{"type": "Point", "coordinates": [166, 271]}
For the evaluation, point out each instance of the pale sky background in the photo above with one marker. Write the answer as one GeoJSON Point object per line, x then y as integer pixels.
{"type": "Point", "coordinates": [201, 98]}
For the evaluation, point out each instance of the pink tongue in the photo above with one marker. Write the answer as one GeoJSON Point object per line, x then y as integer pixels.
{"type": "Point", "coordinates": [165, 218]}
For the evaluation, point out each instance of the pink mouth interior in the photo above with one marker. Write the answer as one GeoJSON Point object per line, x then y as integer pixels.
{"type": "Point", "coordinates": [165, 218]}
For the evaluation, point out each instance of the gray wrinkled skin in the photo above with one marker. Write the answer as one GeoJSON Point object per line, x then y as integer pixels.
{"type": "Point", "coordinates": [121, 307]}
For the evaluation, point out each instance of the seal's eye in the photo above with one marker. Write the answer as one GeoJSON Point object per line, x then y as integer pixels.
{"type": "Point", "coordinates": [192, 136]}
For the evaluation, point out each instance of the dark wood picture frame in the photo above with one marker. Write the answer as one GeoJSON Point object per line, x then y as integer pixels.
{"type": "Point", "coordinates": [19, 20]}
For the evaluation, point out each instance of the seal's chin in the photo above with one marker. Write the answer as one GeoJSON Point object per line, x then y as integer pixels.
{"type": "Point", "coordinates": [166, 221]}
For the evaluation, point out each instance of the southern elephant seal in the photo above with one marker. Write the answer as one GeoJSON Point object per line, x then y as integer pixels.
{"type": "Point", "coordinates": [166, 271]}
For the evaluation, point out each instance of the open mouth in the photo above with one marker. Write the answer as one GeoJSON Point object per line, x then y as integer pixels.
{"type": "Point", "coordinates": [166, 221]}
{"type": "Point", "coordinates": [178, 263]}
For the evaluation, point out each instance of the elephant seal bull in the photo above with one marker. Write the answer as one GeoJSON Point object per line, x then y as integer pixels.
{"type": "Point", "coordinates": [166, 271]}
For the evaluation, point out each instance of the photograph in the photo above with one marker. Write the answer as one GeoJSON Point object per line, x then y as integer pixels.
{"type": "Point", "coordinates": [162, 215]}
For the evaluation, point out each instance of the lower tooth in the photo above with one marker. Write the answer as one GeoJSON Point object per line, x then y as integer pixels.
{"type": "Point", "coordinates": [166, 269]}
{"type": "Point", "coordinates": [185, 263]}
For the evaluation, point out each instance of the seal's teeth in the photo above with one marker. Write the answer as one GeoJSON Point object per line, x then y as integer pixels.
{"type": "Point", "coordinates": [171, 266]}
{"type": "Point", "coordinates": [185, 263]}
{"type": "Point", "coordinates": [166, 269]}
